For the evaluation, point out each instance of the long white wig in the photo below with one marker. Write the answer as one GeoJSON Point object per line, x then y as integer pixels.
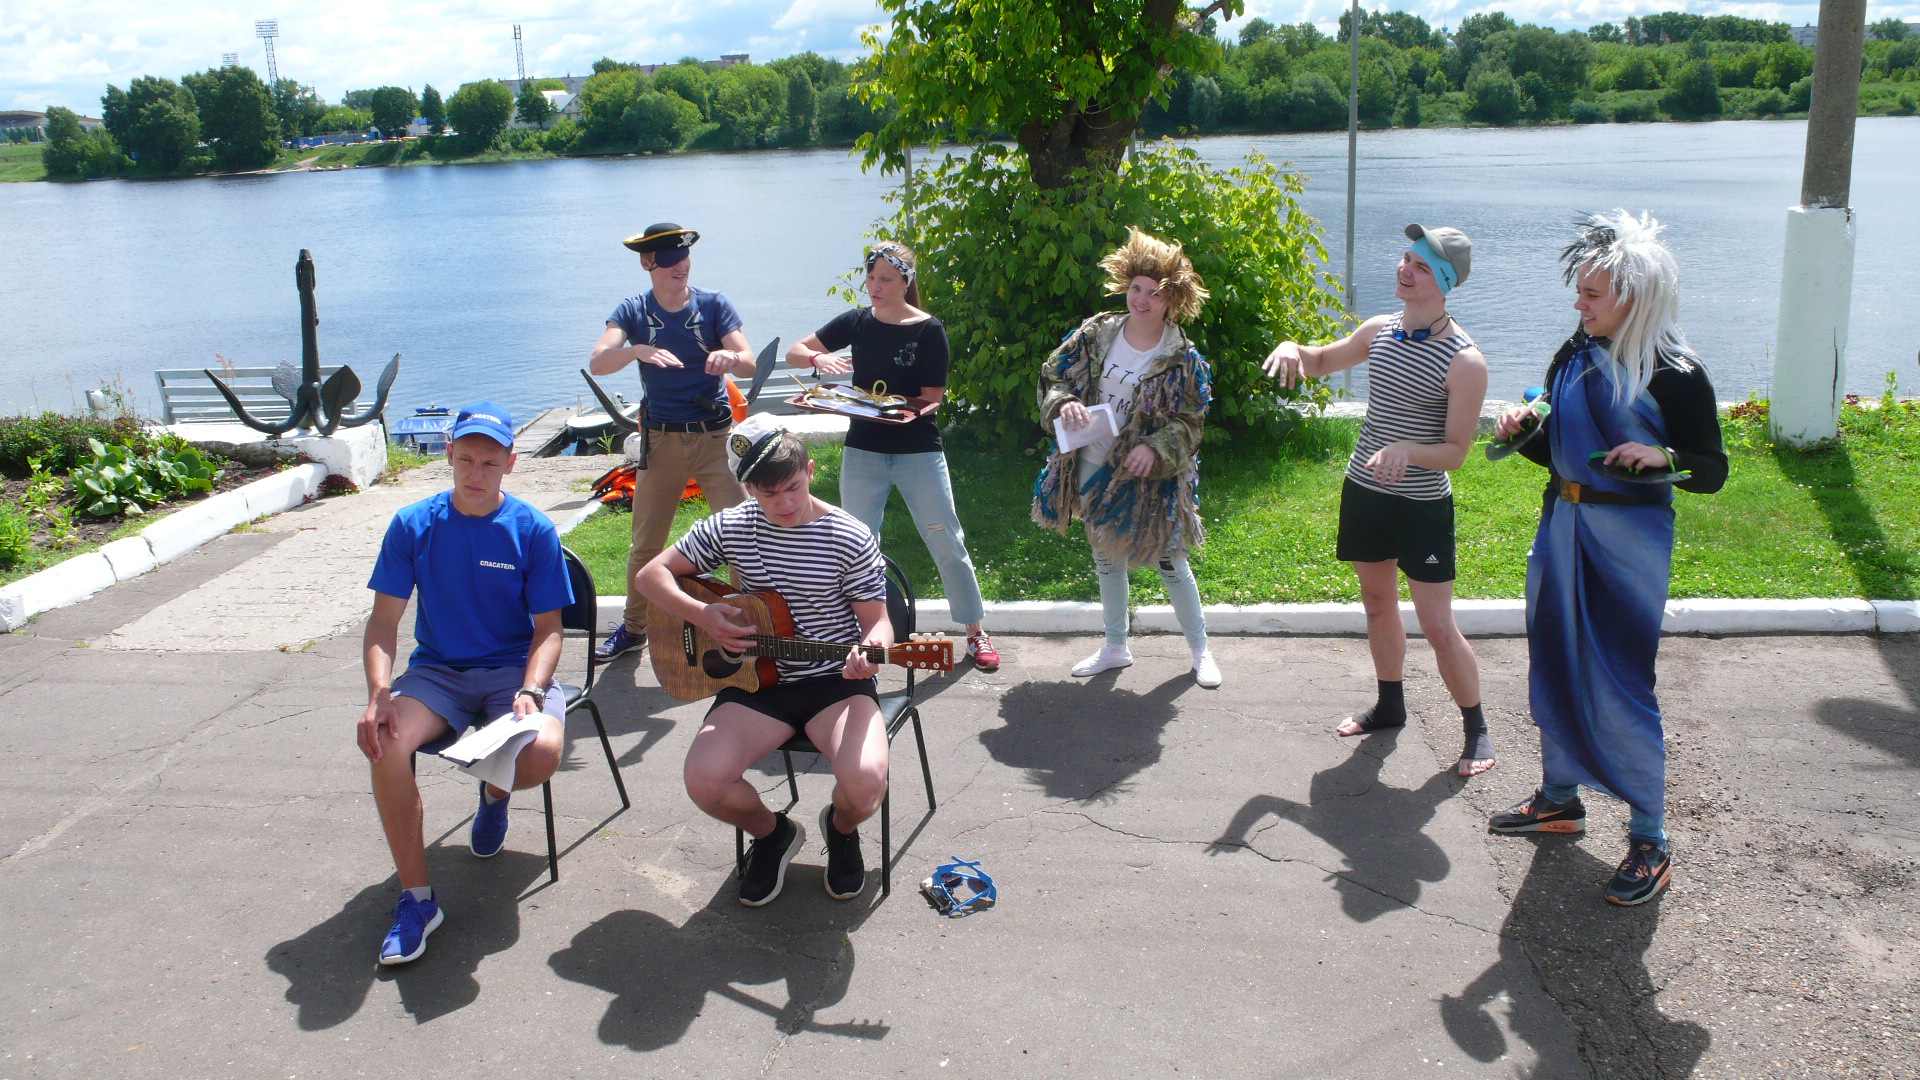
{"type": "Point", "coordinates": [1645, 277]}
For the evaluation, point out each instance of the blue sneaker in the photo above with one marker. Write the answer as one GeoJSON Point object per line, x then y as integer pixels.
{"type": "Point", "coordinates": [413, 920]}
{"type": "Point", "coordinates": [489, 825]}
{"type": "Point", "coordinates": [622, 640]}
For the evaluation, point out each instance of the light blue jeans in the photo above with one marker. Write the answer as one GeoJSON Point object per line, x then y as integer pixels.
{"type": "Point", "coordinates": [866, 478]}
{"type": "Point", "coordinates": [1182, 590]}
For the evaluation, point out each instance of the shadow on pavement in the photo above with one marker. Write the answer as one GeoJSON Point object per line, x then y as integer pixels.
{"type": "Point", "coordinates": [330, 968]}
{"type": "Point", "coordinates": [1083, 739]}
{"type": "Point", "coordinates": [1589, 956]}
{"type": "Point", "coordinates": [1376, 827]}
{"type": "Point", "coordinates": [1893, 731]}
{"type": "Point", "coordinates": [661, 975]}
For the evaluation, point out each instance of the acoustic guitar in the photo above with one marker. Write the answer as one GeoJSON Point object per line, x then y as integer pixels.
{"type": "Point", "coordinates": [691, 665]}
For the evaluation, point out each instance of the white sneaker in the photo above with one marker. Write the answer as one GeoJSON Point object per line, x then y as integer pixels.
{"type": "Point", "coordinates": [1205, 672]}
{"type": "Point", "coordinates": [1108, 658]}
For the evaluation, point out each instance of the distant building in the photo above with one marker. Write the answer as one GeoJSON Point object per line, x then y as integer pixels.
{"type": "Point", "coordinates": [22, 119]}
{"type": "Point", "coordinates": [1806, 36]}
{"type": "Point", "coordinates": [566, 106]}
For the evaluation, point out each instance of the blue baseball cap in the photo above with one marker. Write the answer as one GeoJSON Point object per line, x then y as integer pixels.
{"type": "Point", "coordinates": [485, 418]}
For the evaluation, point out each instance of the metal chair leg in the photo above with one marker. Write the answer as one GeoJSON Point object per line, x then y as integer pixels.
{"type": "Point", "coordinates": [793, 782]}
{"type": "Point", "coordinates": [926, 771]}
{"type": "Point", "coordinates": [886, 845]}
{"type": "Point", "coordinates": [613, 765]}
{"type": "Point", "coordinates": [553, 847]}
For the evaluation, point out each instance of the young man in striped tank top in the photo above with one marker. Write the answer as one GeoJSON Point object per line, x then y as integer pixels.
{"type": "Point", "coordinates": [827, 567]}
{"type": "Point", "coordinates": [1426, 382]}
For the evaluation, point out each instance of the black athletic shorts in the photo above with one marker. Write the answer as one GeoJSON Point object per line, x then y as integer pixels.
{"type": "Point", "coordinates": [1378, 527]}
{"type": "Point", "coordinates": [795, 703]}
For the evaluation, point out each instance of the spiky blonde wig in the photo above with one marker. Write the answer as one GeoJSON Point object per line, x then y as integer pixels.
{"type": "Point", "coordinates": [1643, 274]}
{"type": "Point", "coordinates": [1144, 255]}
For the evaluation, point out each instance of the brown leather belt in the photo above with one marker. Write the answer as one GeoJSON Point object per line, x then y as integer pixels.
{"type": "Point", "coordinates": [688, 427]}
{"type": "Point", "coordinates": [1580, 493]}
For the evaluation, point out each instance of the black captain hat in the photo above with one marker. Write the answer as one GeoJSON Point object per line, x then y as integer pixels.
{"type": "Point", "coordinates": [662, 238]}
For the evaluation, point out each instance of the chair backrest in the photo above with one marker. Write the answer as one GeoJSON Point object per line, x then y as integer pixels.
{"type": "Point", "coordinates": [584, 612]}
{"type": "Point", "coordinates": [901, 609]}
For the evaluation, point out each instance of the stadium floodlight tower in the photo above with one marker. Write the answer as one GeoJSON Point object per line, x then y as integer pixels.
{"type": "Point", "coordinates": [519, 56]}
{"type": "Point", "coordinates": [266, 30]}
{"type": "Point", "coordinates": [229, 59]}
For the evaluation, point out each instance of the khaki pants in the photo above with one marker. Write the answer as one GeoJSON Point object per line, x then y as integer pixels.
{"type": "Point", "coordinates": [673, 458]}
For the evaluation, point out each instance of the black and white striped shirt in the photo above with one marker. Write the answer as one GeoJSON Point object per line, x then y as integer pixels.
{"type": "Point", "coordinates": [1406, 402]}
{"type": "Point", "coordinates": [821, 569]}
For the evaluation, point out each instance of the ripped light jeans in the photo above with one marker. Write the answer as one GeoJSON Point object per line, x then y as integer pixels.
{"type": "Point", "coordinates": [1182, 589]}
{"type": "Point", "coordinates": [866, 478]}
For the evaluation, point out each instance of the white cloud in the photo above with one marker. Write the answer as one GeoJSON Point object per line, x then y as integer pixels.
{"type": "Point", "coordinates": [810, 14]}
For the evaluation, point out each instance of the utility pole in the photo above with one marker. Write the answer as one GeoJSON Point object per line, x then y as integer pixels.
{"type": "Point", "coordinates": [519, 58]}
{"type": "Point", "coordinates": [1353, 157]}
{"type": "Point", "coordinates": [266, 30]}
{"type": "Point", "coordinates": [1816, 274]}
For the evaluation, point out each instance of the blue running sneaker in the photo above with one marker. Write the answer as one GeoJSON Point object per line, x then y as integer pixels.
{"type": "Point", "coordinates": [622, 640]}
{"type": "Point", "coordinates": [489, 825]}
{"type": "Point", "coordinates": [413, 920]}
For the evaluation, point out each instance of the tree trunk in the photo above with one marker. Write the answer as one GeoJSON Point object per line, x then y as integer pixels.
{"type": "Point", "coordinates": [1094, 135]}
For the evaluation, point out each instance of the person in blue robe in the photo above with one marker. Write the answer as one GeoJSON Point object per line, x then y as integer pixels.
{"type": "Point", "coordinates": [1632, 417]}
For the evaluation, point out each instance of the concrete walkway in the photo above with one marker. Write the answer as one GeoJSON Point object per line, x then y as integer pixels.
{"type": "Point", "coordinates": [1193, 882]}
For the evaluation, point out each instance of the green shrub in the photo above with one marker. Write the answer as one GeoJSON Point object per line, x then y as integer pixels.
{"type": "Point", "coordinates": [1908, 104]}
{"type": "Point", "coordinates": [16, 533]}
{"type": "Point", "coordinates": [1010, 268]}
{"type": "Point", "coordinates": [1637, 111]}
{"type": "Point", "coordinates": [1800, 95]}
{"type": "Point", "coordinates": [1588, 111]}
{"type": "Point", "coordinates": [1494, 96]}
{"type": "Point", "coordinates": [60, 441]}
{"type": "Point", "coordinates": [117, 481]}
{"type": "Point", "coordinates": [1769, 103]}
{"type": "Point", "coordinates": [1694, 91]}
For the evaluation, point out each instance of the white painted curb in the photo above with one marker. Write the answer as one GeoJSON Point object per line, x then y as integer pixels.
{"type": "Point", "coordinates": [1476, 618]}
{"type": "Point", "coordinates": [163, 541]}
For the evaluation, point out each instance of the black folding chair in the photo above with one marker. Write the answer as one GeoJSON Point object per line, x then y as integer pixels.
{"type": "Point", "coordinates": [582, 614]}
{"type": "Point", "coordinates": [897, 709]}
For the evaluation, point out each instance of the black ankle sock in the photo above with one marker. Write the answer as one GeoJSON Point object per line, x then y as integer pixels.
{"type": "Point", "coordinates": [1472, 720]}
{"type": "Point", "coordinates": [1390, 708]}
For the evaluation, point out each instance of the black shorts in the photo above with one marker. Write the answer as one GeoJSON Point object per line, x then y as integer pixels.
{"type": "Point", "coordinates": [795, 703]}
{"type": "Point", "coordinates": [1378, 527]}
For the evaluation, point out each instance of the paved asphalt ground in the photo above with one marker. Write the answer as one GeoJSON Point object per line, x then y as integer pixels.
{"type": "Point", "coordinates": [1192, 882]}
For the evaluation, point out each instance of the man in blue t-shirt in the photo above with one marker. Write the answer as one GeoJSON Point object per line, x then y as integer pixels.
{"type": "Point", "coordinates": [686, 341]}
{"type": "Point", "coordinates": [491, 583]}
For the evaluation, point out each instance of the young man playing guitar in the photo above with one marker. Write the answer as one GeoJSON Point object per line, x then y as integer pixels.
{"type": "Point", "coordinates": [828, 568]}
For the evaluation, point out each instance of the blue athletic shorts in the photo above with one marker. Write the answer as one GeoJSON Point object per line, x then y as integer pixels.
{"type": "Point", "coordinates": [472, 696]}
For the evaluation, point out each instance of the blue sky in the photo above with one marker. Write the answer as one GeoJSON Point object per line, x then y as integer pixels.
{"type": "Point", "coordinates": [66, 53]}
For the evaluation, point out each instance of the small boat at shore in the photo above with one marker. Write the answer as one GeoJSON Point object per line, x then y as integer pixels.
{"type": "Point", "coordinates": [425, 432]}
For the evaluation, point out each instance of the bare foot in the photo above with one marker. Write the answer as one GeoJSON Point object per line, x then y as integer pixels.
{"type": "Point", "coordinates": [1477, 756]}
{"type": "Point", "coordinates": [1368, 721]}
{"type": "Point", "coordinates": [1475, 766]}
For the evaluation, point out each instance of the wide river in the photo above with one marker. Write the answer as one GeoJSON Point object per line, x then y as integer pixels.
{"type": "Point", "coordinates": [493, 281]}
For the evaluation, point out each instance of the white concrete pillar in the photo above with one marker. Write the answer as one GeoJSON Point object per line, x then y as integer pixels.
{"type": "Point", "coordinates": [1810, 350]}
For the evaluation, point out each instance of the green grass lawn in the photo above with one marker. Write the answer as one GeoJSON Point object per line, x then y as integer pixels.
{"type": "Point", "coordinates": [21, 161]}
{"type": "Point", "coordinates": [1841, 521]}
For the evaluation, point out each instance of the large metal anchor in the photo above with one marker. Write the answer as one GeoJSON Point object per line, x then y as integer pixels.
{"type": "Point", "coordinates": [312, 403]}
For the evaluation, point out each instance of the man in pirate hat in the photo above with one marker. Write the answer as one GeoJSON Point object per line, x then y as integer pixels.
{"type": "Point", "coordinates": [828, 568]}
{"type": "Point", "coordinates": [686, 341]}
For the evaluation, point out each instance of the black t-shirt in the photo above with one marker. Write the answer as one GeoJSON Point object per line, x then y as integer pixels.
{"type": "Point", "coordinates": [906, 358]}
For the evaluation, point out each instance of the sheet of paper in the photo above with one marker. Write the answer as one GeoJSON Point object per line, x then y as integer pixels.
{"type": "Point", "coordinates": [1099, 426]}
{"type": "Point", "coordinates": [487, 752]}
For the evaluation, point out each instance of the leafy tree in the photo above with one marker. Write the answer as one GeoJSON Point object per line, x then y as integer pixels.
{"type": "Point", "coordinates": [1471, 38]}
{"type": "Point", "coordinates": [1493, 95]}
{"type": "Point", "coordinates": [393, 110]}
{"type": "Point", "coordinates": [845, 116]}
{"type": "Point", "coordinates": [1606, 32]}
{"type": "Point", "coordinates": [1693, 91]}
{"type": "Point", "coordinates": [479, 111]}
{"type": "Point", "coordinates": [1410, 109]}
{"type": "Point", "coordinates": [659, 121]}
{"type": "Point", "coordinates": [1561, 62]}
{"type": "Point", "coordinates": [113, 113]}
{"type": "Point", "coordinates": [802, 104]}
{"type": "Point", "coordinates": [1203, 104]}
{"type": "Point", "coordinates": [1636, 72]}
{"type": "Point", "coordinates": [607, 63]}
{"type": "Point", "coordinates": [533, 107]}
{"type": "Point", "coordinates": [749, 104]}
{"type": "Point", "coordinates": [433, 110]}
{"type": "Point", "coordinates": [1399, 28]}
{"type": "Point", "coordinates": [1891, 28]}
{"type": "Point", "coordinates": [63, 152]}
{"type": "Point", "coordinates": [1255, 30]}
{"type": "Point", "coordinates": [297, 107]}
{"type": "Point", "coordinates": [1314, 103]}
{"type": "Point", "coordinates": [1782, 64]}
{"type": "Point", "coordinates": [547, 84]}
{"type": "Point", "coordinates": [690, 81]}
{"type": "Point", "coordinates": [163, 125]}
{"type": "Point", "coordinates": [604, 100]}
{"type": "Point", "coordinates": [359, 99]}
{"type": "Point", "coordinates": [340, 118]}
{"type": "Point", "coordinates": [1068, 81]}
{"type": "Point", "coordinates": [237, 116]}
{"type": "Point", "coordinates": [1301, 38]}
{"type": "Point", "coordinates": [1377, 93]}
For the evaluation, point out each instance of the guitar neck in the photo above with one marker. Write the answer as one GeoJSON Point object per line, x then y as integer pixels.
{"type": "Point", "coordinates": [785, 648]}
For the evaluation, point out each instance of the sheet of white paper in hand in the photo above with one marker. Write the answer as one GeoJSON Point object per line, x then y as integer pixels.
{"type": "Point", "coordinates": [487, 752]}
{"type": "Point", "coordinates": [1099, 426]}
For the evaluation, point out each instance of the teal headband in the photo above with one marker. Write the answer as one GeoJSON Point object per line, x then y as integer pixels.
{"type": "Point", "coordinates": [1443, 272]}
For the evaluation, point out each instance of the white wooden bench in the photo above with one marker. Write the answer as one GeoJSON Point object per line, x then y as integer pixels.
{"type": "Point", "coordinates": [187, 395]}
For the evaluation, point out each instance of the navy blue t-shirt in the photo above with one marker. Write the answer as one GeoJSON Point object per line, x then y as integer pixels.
{"type": "Point", "coordinates": [680, 395]}
{"type": "Point", "coordinates": [480, 579]}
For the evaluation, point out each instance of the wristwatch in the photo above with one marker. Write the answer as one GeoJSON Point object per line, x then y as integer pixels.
{"type": "Point", "coordinates": [538, 695]}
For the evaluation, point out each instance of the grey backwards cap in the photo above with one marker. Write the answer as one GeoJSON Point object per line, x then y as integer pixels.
{"type": "Point", "coordinates": [1452, 244]}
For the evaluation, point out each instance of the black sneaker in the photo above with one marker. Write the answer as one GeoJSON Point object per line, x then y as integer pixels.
{"type": "Point", "coordinates": [767, 861]}
{"type": "Point", "coordinates": [846, 870]}
{"type": "Point", "coordinates": [1642, 874]}
{"type": "Point", "coordinates": [1538, 814]}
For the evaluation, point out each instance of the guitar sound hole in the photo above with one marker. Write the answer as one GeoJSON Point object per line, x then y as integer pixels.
{"type": "Point", "coordinates": [716, 664]}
